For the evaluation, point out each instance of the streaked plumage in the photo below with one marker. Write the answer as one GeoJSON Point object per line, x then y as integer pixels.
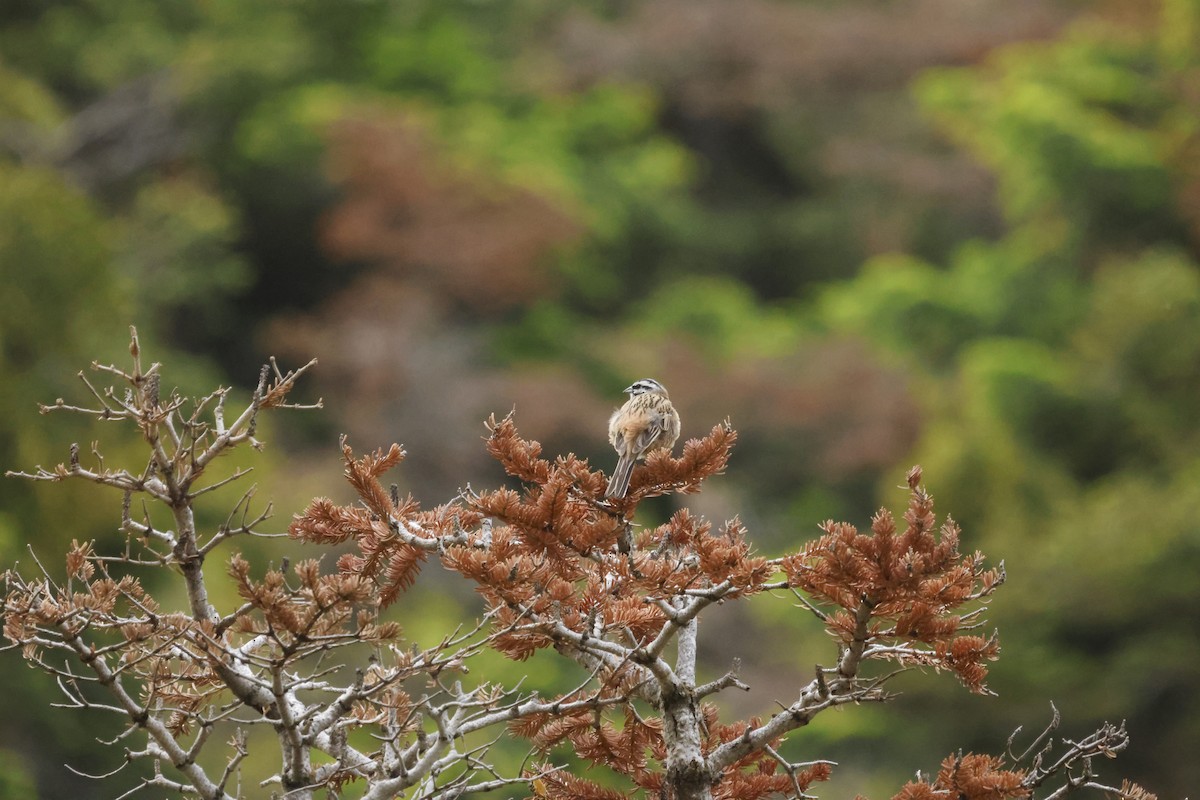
{"type": "Point", "coordinates": [646, 423]}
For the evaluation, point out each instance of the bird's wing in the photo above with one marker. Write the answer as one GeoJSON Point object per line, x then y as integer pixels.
{"type": "Point", "coordinates": [650, 434]}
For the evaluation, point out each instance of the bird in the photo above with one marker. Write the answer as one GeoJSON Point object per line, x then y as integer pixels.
{"type": "Point", "coordinates": [646, 423]}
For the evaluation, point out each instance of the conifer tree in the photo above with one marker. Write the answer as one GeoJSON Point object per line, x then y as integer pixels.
{"type": "Point", "coordinates": [315, 655]}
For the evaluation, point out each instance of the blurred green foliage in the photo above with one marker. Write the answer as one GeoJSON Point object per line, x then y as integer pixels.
{"type": "Point", "coordinates": [173, 166]}
{"type": "Point", "coordinates": [1060, 374]}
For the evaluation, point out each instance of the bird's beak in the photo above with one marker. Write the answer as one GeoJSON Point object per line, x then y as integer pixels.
{"type": "Point", "coordinates": [629, 389]}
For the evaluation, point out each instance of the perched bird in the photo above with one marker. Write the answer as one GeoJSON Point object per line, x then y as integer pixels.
{"type": "Point", "coordinates": [647, 422]}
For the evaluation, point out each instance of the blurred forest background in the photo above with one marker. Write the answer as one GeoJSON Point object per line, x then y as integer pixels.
{"type": "Point", "coordinates": [961, 233]}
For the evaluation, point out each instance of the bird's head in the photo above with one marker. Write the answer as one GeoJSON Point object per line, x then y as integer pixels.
{"type": "Point", "coordinates": [644, 386]}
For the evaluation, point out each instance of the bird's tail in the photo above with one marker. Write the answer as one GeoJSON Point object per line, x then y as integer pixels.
{"type": "Point", "coordinates": [618, 484]}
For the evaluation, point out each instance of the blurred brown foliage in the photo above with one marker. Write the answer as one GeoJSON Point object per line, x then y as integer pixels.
{"type": "Point", "coordinates": [459, 234]}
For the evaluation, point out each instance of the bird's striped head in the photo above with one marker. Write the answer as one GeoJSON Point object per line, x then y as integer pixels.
{"type": "Point", "coordinates": [645, 386]}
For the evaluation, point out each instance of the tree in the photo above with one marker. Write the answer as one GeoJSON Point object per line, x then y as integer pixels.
{"type": "Point", "coordinates": [178, 676]}
{"type": "Point", "coordinates": [307, 655]}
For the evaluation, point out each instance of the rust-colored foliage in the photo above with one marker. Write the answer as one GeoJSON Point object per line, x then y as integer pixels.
{"type": "Point", "coordinates": [969, 777]}
{"type": "Point", "coordinates": [980, 777]}
{"type": "Point", "coordinates": [897, 591]}
{"type": "Point", "coordinates": [600, 741]}
{"type": "Point", "coordinates": [550, 580]}
{"type": "Point", "coordinates": [542, 561]}
{"type": "Point", "coordinates": [629, 748]}
{"type": "Point", "coordinates": [173, 656]}
{"type": "Point", "coordinates": [701, 459]}
{"type": "Point", "coordinates": [389, 533]}
{"type": "Point", "coordinates": [564, 784]}
{"type": "Point", "coordinates": [661, 474]}
{"type": "Point", "coordinates": [540, 553]}
{"type": "Point", "coordinates": [757, 774]}
{"type": "Point", "coordinates": [560, 566]}
{"type": "Point", "coordinates": [1131, 791]}
{"type": "Point", "coordinates": [768, 782]}
{"type": "Point", "coordinates": [320, 606]}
